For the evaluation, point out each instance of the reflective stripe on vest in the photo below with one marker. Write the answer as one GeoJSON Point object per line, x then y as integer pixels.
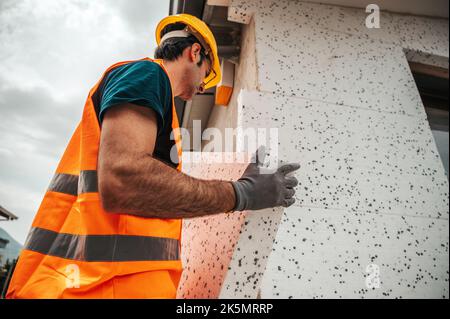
{"type": "Point", "coordinates": [101, 247]}
{"type": "Point", "coordinates": [74, 184]}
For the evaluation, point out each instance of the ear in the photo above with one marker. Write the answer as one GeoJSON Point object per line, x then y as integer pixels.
{"type": "Point", "coordinates": [195, 52]}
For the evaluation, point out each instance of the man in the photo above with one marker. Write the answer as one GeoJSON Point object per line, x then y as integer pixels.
{"type": "Point", "coordinates": [109, 225]}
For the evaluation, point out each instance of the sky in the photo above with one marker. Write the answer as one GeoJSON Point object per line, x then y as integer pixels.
{"type": "Point", "coordinates": [52, 52]}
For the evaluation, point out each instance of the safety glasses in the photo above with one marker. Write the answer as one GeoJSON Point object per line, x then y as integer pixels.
{"type": "Point", "coordinates": [209, 78]}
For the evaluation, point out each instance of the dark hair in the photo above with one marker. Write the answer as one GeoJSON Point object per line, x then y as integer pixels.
{"type": "Point", "coordinates": [173, 48]}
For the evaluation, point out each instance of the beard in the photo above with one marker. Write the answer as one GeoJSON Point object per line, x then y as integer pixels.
{"type": "Point", "coordinates": [190, 88]}
{"type": "Point", "coordinates": [188, 93]}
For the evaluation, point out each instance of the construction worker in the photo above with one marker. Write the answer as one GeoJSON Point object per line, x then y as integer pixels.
{"type": "Point", "coordinates": [109, 225]}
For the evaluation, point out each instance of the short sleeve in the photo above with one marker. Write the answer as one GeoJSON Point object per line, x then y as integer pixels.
{"type": "Point", "coordinates": [139, 83]}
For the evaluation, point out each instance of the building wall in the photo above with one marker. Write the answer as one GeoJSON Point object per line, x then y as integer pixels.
{"type": "Point", "coordinates": [372, 203]}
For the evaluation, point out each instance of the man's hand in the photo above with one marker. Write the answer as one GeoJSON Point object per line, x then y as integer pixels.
{"type": "Point", "coordinates": [255, 190]}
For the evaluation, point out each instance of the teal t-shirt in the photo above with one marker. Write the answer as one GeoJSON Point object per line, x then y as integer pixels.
{"type": "Point", "coordinates": [143, 83]}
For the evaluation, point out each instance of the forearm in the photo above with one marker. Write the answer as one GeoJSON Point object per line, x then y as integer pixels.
{"type": "Point", "coordinates": [150, 188]}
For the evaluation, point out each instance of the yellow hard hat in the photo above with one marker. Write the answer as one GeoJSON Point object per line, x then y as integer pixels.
{"type": "Point", "coordinates": [200, 30]}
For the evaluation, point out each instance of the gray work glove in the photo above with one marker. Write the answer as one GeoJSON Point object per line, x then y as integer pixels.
{"type": "Point", "coordinates": [257, 191]}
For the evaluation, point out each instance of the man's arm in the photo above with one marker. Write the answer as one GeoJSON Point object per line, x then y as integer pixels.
{"type": "Point", "coordinates": [131, 181]}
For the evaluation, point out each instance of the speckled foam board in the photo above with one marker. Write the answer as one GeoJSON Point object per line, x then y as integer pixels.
{"type": "Point", "coordinates": [423, 34]}
{"type": "Point", "coordinates": [329, 17]}
{"type": "Point", "coordinates": [335, 68]}
{"type": "Point", "coordinates": [208, 242]}
{"type": "Point", "coordinates": [247, 267]}
{"type": "Point", "coordinates": [352, 158]}
{"type": "Point", "coordinates": [224, 256]}
{"type": "Point", "coordinates": [371, 190]}
{"type": "Point", "coordinates": [326, 253]}
{"type": "Point", "coordinates": [335, 32]}
{"type": "Point", "coordinates": [411, 32]}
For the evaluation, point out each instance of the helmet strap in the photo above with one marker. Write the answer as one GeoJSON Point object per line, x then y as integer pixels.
{"type": "Point", "coordinates": [175, 34]}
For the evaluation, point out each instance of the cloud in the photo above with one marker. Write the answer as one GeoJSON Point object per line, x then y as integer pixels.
{"type": "Point", "coordinates": [137, 14]}
{"type": "Point", "coordinates": [52, 53]}
{"type": "Point", "coordinates": [34, 130]}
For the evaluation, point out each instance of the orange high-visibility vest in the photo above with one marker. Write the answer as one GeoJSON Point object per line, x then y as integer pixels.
{"type": "Point", "coordinates": [77, 250]}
